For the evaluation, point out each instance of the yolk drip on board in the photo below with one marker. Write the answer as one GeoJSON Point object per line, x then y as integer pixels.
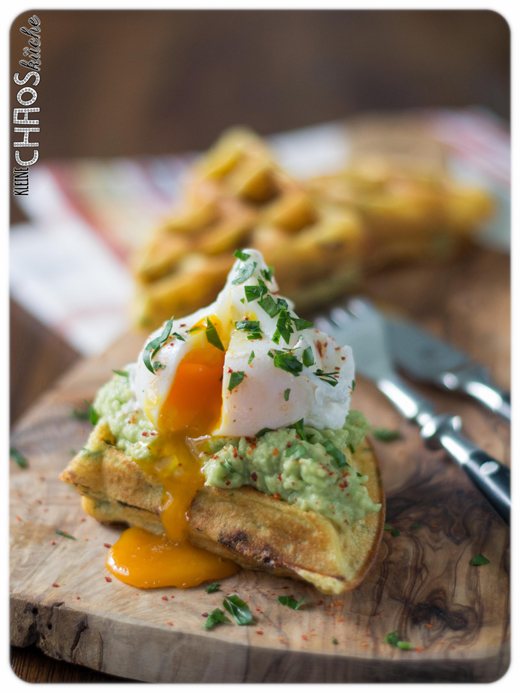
{"type": "Point", "coordinates": [192, 409]}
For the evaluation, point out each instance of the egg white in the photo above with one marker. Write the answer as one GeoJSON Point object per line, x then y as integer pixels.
{"type": "Point", "coordinates": [258, 401]}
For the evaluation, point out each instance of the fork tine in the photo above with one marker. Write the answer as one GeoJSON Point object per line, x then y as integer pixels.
{"type": "Point", "coordinates": [359, 307]}
{"type": "Point", "coordinates": [340, 317]}
{"type": "Point", "coordinates": [324, 325]}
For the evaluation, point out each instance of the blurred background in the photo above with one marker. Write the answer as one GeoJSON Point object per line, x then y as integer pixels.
{"type": "Point", "coordinates": [146, 83]}
{"type": "Point", "coordinates": [122, 83]}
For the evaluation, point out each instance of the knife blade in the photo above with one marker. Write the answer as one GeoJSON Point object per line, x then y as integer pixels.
{"type": "Point", "coordinates": [428, 359]}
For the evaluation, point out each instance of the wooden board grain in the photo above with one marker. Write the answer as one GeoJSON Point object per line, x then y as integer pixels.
{"type": "Point", "coordinates": [456, 615]}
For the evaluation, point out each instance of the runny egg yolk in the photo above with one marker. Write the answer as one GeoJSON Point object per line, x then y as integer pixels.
{"type": "Point", "coordinates": [193, 408]}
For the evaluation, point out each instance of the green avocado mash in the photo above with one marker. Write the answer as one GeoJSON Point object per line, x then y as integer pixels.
{"type": "Point", "coordinates": [115, 405]}
{"type": "Point", "coordinates": [313, 474]}
{"type": "Point", "coordinates": [299, 471]}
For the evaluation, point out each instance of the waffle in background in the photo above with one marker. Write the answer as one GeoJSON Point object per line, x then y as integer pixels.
{"type": "Point", "coordinates": [394, 203]}
{"type": "Point", "coordinates": [396, 180]}
{"type": "Point", "coordinates": [237, 196]}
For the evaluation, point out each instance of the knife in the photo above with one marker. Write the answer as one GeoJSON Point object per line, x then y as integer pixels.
{"type": "Point", "coordinates": [425, 358]}
{"type": "Point", "coordinates": [365, 329]}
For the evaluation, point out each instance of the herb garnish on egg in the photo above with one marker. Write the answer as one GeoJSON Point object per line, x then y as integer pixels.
{"type": "Point", "coordinates": [154, 345]}
{"type": "Point", "coordinates": [235, 379]}
{"type": "Point", "coordinates": [212, 335]}
{"type": "Point", "coordinates": [251, 326]}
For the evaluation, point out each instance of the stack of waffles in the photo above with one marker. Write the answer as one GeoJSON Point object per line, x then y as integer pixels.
{"type": "Point", "coordinates": [322, 235]}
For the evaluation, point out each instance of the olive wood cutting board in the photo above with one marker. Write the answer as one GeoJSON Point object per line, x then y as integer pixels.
{"type": "Point", "coordinates": [456, 616]}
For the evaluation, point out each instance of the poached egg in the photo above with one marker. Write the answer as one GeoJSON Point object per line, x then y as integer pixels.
{"type": "Point", "coordinates": [242, 385]}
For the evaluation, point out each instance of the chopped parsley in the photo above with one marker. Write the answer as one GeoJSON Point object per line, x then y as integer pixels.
{"type": "Point", "coordinates": [394, 640]}
{"type": "Point", "coordinates": [302, 324]}
{"type": "Point", "coordinates": [269, 305]}
{"type": "Point", "coordinates": [291, 602]}
{"type": "Point", "coordinates": [214, 587]}
{"type": "Point", "coordinates": [238, 609]}
{"type": "Point", "coordinates": [479, 560]}
{"type": "Point", "coordinates": [286, 323]}
{"type": "Point", "coordinates": [262, 432]}
{"type": "Point", "coordinates": [64, 534]}
{"type": "Point", "coordinates": [286, 394]}
{"type": "Point", "coordinates": [235, 379]}
{"type": "Point", "coordinates": [253, 293]}
{"type": "Point", "coordinates": [386, 435]}
{"type": "Point", "coordinates": [308, 357]}
{"type": "Point", "coordinates": [251, 357]}
{"type": "Point", "coordinates": [329, 378]}
{"type": "Point", "coordinates": [244, 273]}
{"type": "Point", "coordinates": [216, 616]}
{"type": "Point", "coordinates": [268, 273]}
{"type": "Point", "coordinates": [393, 531]}
{"type": "Point", "coordinates": [154, 345]}
{"type": "Point", "coordinates": [240, 255]}
{"type": "Point", "coordinates": [248, 325]}
{"type": "Point", "coordinates": [157, 365]}
{"type": "Point", "coordinates": [337, 455]}
{"type": "Point", "coordinates": [353, 386]}
{"type": "Point", "coordinates": [251, 326]}
{"type": "Point", "coordinates": [287, 362]}
{"type": "Point", "coordinates": [17, 456]}
{"type": "Point", "coordinates": [335, 641]}
{"type": "Point", "coordinates": [123, 374]}
{"type": "Point", "coordinates": [212, 335]}
{"type": "Point", "coordinates": [404, 645]}
{"type": "Point", "coordinates": [284, 328]}
{"type": "Point", "coordinates": [297, 450]}
{"type": "Point", "coordinates": [298, 427]}
{"type": "Point", "coordinates": [93, 415]}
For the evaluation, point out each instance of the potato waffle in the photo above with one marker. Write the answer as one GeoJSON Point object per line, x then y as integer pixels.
{"type": "Point", "coordinates": [238, 197]}
{"type": "Point", "coordinates": [397, 181]}
{"type": "Point", "coordinates": [395, 203]}
{"type": "Point", "coordinates": [407, 216]}
{"type": "Point", "coordinates": [257, 531]}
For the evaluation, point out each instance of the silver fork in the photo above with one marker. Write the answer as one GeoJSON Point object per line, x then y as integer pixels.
{"type": "Point", "coordinates": [363, 327]}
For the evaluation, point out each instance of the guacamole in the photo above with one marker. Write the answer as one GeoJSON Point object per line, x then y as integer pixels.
{"type": "Point", "coordinates": [116, 405]}
{"type": "Point", "coordinates": [304, 472]}
{"type": "Point", "coordinates": [311, 468]}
